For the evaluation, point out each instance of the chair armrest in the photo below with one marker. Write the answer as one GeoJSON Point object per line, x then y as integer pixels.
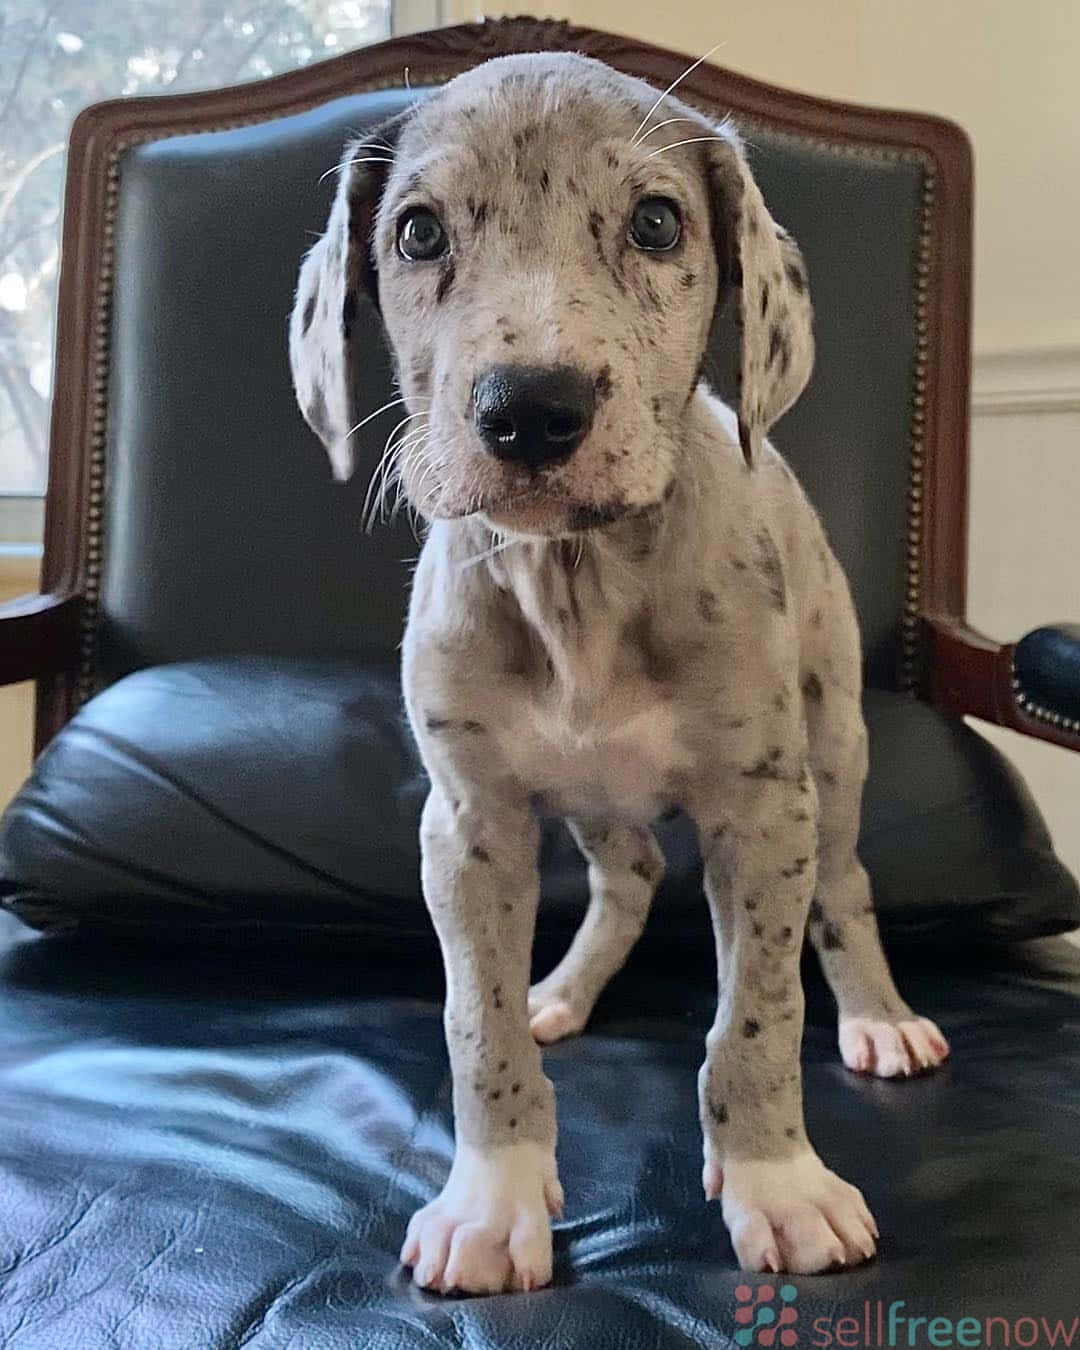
{"type": "Point", "coordinates": [1046, 670]}
{"type": "Point", "coordinates": [1032, 686]}
{"type": "Point", "coordinates": [39, 636]}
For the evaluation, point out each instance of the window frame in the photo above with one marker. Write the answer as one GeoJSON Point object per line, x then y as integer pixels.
{"type": "Point", "coordinates": [22, 515]}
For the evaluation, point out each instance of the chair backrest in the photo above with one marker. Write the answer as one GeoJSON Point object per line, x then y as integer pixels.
{"type": "Point", "coordinates": [198, 514]}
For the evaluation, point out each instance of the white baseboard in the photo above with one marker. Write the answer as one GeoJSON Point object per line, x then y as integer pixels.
{"type": "Point", "coordinates": [1022, 380]}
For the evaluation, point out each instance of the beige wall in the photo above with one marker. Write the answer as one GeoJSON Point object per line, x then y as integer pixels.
{"type": "Point", "coordinates": [1008, 74]}
{"type": "Point", "coordinates": [17, 576]}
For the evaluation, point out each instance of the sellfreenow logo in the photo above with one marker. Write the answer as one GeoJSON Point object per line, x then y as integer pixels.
{"type": "Point", "coordinates": [890, 1325]}
{"type": "Point", "coordinates": [757, 1318]}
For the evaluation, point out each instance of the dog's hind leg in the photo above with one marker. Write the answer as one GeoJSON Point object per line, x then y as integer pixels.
{"type": "Point", "coordinates": [879, 1033]}
{"type": "Point", "coordinates": [625, 867]}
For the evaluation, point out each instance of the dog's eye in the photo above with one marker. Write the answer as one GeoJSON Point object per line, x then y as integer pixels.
{"type": "Point", "coordinates": [655, 224]}
{"type": "Point", "coordinates": [421, 235]}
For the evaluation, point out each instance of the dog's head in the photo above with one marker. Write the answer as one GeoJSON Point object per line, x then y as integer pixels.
{"type": "Point", "coordinates": [547, 244]}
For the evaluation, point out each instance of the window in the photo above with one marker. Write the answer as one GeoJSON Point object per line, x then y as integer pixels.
{"type": "Point", "coordinates": [56, 56]}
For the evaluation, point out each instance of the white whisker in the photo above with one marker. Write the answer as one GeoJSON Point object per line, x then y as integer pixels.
{"type": "Point", "coordinates": [688, 71]}
{"type": "Point", "coordinates": [669, 121]}
{"type": "Point", "coordinates": [691, 140]}
{"type": "Point", "coordinates": [365, 420]}
{"type": "Point", "coordinates": [348, 164]}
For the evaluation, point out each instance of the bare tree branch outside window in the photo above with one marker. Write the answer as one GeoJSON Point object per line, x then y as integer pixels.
{"type": "Point", "coordinates": [56, 56]}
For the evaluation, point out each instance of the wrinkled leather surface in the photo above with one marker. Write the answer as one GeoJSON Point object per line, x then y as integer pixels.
{"type": "Point", "coordinates": [203, 430]}
{"type": "Point", "coordinates": [201, 1152]}
{"type": "Point", "coordinates": [1047, 664]}
{"type": "Point", "coordinates": [285, 794]}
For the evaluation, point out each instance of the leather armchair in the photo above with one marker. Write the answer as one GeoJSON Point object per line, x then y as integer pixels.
{"type": "Point", "coordinates": [223, 1086]}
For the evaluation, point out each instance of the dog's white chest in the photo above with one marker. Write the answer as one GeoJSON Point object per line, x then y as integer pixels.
{"type": "Point", "coordinates": [619, 766]}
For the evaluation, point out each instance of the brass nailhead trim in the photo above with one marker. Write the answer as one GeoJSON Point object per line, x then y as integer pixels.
{"type": "Point", "coordinates": [91, 615]}
{"type": "Point", "coordinates": [909, 628]}
{"type": "Point", "coordinates": [1039, 713]}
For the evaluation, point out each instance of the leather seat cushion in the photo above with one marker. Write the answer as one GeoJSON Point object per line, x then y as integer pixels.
{"type": "Point", "coordinates": [279, 795]}
{"type": "Point", "coordinates": [224, 1152]}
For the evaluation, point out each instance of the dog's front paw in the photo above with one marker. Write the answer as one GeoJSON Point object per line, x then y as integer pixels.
{"type": "Point", "coordinates": [891, 1049]}
{"type": "Point", "coordinates": [793, 1215]}
{"type": "Point", "coordinates": [489, 1230]}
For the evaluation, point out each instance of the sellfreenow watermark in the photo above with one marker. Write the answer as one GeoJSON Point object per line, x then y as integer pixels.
{"type": "Point", "coordinates": [887, 1324]}
{"type": "Point", "coordinates": [768, 1316]}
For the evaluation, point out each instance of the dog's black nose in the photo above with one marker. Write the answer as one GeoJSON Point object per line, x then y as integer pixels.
{"type": "Point", "coordinates": [533, 414]}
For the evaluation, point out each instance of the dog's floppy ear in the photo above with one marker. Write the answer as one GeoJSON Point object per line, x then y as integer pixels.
{"type": "Point", "coordinates": [762, 264]}
{"type": "Point", "coordinates": [329, 316]}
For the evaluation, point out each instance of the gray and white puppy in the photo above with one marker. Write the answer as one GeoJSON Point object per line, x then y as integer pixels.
{"type": "Point", "coordinates": [624, 603]}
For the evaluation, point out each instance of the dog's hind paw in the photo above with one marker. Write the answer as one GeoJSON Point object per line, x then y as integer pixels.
{"type": "Point", "coordinates": [891, 1049]}
{"type": "Point", "coordinates": [553, 1016]}
{"type": "Point", "coordinates": [553, 1021]}
{"type": "Point", "coordinates": [489, 1231]}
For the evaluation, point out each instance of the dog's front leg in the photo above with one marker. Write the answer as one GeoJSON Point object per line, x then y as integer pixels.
{"type": "Point", "coordinates": [490, 1229]}
{"type": "Point", "coordinates": [784, 1209]}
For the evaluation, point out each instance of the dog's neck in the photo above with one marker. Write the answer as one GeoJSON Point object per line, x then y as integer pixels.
{"type": "Point", "coordinates": [580, 593]}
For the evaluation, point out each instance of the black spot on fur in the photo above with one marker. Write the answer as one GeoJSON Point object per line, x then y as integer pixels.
{"type": "Point", "coordinates": [669, 491]}
{"type": "Point", "coordinates": [775, 753]}
{"type": "Point", "coordinates": [828, 777]}
{"type": "Point", "coordinates": [791, 1132]}
{"type": "Point", "coordinates": [750, 1028]}
{"type": "Point", "coordinates": [758, 929]}
{"type": "Point", "coordinates": [687, 279]}
{"type": "Point", "coordinates": [785, 933]}
{"type": "Point", "coordinates": [495, 1094]}
{"type": "Point", "coordinates": [816, 912]}
{"type": "Point", "coordinates": [596, 226]}
{"type": "Point", "coordinates": [795, 276]}
{"type": "Point", "coordinates": [446, 280]}
{"type": "Point", "coordinates": [571, 186]}
{"type": "Point", "coordinates": [800, 816]}
{"type": "Point", "coordinates": [780, 700]}
{"type": "Point", "coordinates": [594, 517]}
{"type": "Point", "coordinates": [777, 342]}
{"type": "Point", "coordinates": [764, 298]}
{"type": "Point", "coordinates": [510, 338]}
{"type": "Point", "coordinates": [831, 938]}
{"type": "Point", "coordinates": [515, 1088]}
{"type": "Point", "coordinates": [474, 728]}
{"type": "Point", "coordinates": [480, 854]}
{"type": "Point", "coordinates": [603, 384]}
{"type": "Point", "coordinates": [771, 568]}
{"type": "Point", "coordinates": [496, 996]}
{"type": "Point", "coordinates": [658, 662]}
{"type": "Point", "coordinates": [763, 769]}
{"type": "Point", "coordinates": [751, 903]}
{"type": "Point", "coordinates": [811, 687]}
{"type": "Point", "coordinates": [545, 180]}
{"type": "Point", "coordinates": [797, 868]}
{"type": "Point", "coordinates": [348, 313]}
{"type": "Point", "coordinates": [738, 564]}
{"type": "Point", "coordinates": [718, 1112]}
{"type": "Point", "coordinates": [513, 1122]}
{"type": "Point", "coordinates": [816, 619]}
{"type": "Point", "coordinates": [707, 606]}
{"type": "Point", "coordinates": [437, 723]}
{"type": "Point", "coordinates": [644, 869]}
{"type": "Point", "coordinates": [309, 309]}
{"type": "Point", "coordinates": [734, 723]}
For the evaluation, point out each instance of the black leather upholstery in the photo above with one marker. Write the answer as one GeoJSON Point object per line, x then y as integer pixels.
{"type": "Point", "coordinates": [204, 433]}
{"type": "Point", "coordinates": [267, 793]}
{"type": "Point", "coordinates": [205, 1151]}
{"type": "Point", "coordinates": [1047, 666]}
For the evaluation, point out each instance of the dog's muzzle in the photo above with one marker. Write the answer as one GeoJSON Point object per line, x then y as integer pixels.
{"type": "Point", "coordinates": [533, 415]}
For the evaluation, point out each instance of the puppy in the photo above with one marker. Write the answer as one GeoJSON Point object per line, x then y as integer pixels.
{"type": "Point", "coordinates": [624, 604]}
